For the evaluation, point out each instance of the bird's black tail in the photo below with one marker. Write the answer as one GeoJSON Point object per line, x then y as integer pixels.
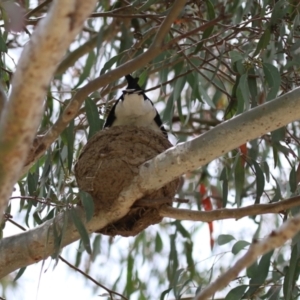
{"type": "Point", "coordinates": [132, 83]}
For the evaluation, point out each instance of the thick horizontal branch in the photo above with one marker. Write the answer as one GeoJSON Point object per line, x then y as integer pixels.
{"type": "Point", "coordinates": [228, 213]}
{"type": "Point", "coordinates": [39, 243]}
{"type": "Point", "coordinates": [225, 137]}
{"type": "Point", "coordinates": [168, 165]}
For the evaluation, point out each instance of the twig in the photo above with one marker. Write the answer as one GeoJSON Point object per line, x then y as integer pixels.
{"type": "Point", "coordinates": [157, 202]}
{"type": "Point", "coordinates": [36, 9]}
{"type": "Point", "coordinates": [92, 279]}
{"type": "Point", "coordinates": [74, 105]}
{"type": "Point", "coordinates": [16, 224]}
{"type": "Point", "coordinates": [228, 213]}
{"type": "Point", "coordinates": [23, 112]}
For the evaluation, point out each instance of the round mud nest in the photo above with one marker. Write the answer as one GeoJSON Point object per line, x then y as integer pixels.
{"type": "Point", "coordinates": [108, 163]}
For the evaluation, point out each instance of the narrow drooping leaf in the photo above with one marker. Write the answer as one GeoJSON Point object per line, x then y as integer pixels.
{"type": "Point", "coordinates": [238, 246]}
{"type": "Point", "coordinates": [261, 274]}
{"type": "Point", "coordinates": [293, 180]}
{"type": "Point", "coordinates": [88, 204]}
{"type": "Point", "coordinates": [263, 41]}
{"type": "Point", "coordinates": [224, 179]}
{"type": "Point", "coordinates": [82, 230]}
{"type": "Point", "coordinates": [90, 62]}
{"type": "Point", "coordinates": [93, 118]}
{"type": "Point", "coordinates": [260, 181]}
{"type": "Point", "coordinates": [273, 79]}
{"type": "Point", "coordinates": [20, 273]}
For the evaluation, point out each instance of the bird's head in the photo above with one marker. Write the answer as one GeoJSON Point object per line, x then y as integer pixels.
{"type": "Point", "coordinates": [133, 85]}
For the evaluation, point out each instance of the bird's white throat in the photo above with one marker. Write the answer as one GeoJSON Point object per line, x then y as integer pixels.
{"type": "Point", "coordinates": [134, 110]}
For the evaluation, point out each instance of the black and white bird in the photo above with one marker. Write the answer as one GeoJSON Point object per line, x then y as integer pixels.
{"type": "Point", "coordinates": [135, 108]}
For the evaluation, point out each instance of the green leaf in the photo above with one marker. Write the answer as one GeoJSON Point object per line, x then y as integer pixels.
{"type": "Point", "coordinates": [188, 246]}
{"type": "Point", "coordinates": [182, 230]}
{"type": "Point", "coordinates": [279, 10]}
{"type": "Point", "coordinates": [82, 230]}
{"type": "Point", "coordinates": [261, 274]}
{"type": "Point", "coordinates": [70, 135]}
{"type": "Point", "coordinates": [235, 56]}
{"type": "Point", "coordinates": [175, 96]}
{"type": "Point", "coordinates": [89, 63]}
{"type": "Point", "coordinates": [273, 293]}
{"type": "Point", "coordinates": [110, 63]}
{"type": "Point", "coordinates": [224, 239]}
{"type": "Point", "coordinates": [158, 243]}
{"type": "Point", "coordinates": [251, 271]}
{"type": "Point", "coordinates": [252, 84]}
{"type": "Point", "coordinates": [205, 96]}
{"type": "Point", "coordinates": [20, 273]}
{"type": "Point", "coordinates": [238, 246]}
{"type": "Point", "coordinates": [289, 279]}
{"type": "Point", "coordinates": [143, 78]}
{"type": "Point", "coordinates": [93, 118]}
{"type": "Point", "coordinates": [266, 170]}
{"type": "Point", "coordinates": [236, 293]}
{"type": "Point", "coordinates": [180, 82]}
{"type": "Point", "coordinates": [260, 181]}
{"type": "Point", "coordinates": [278, 135]}
{"type": "Point", "coordinates": [164, 293]}
{"type": "Point", "coordinates": [3, 47]}
{"type": "Point", "coordinates": [293, 180]}
{"type": "Point", "coordinates": [88, 204]}
{"type": "Point", "coordinates": [211, 15]}
{"type": "Point", "coordinates": [129, 280]}
{"type": "Point", "coordinates": [243, 94]}
{"type": "Point", "coordinates": [239, 179]}
{"type": "Point", "coordinates": [277, 191]}
{"type": "Point", "coordinates": [263, 41]}
{"type": "Point", "coordinates": [176, 279]}
{"type": "Point", "coordinates": [169, 111]}
{"type": "Point", "coordinates": [173, 259]}
{"type": "Point", "coordinates": [224, 178]}
{"type": "Point", "coordinates": [32, 185]}
{"type": "Point", "coordinates": [273, 79]}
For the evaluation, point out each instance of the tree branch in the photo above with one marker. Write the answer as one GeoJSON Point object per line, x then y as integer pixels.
{"type": "Point", "coordinates": [228, 213]}
{"type": "Point", "coordinates": [154, 174]}
{"type": "Point", "coordinates": [276, 239]}
{"type": "Point", "coordinates": [22, 114]}
{"type": "Point", "coordinates": [193, 154]}
{"type": "Point", "coordinates": [71, 110]}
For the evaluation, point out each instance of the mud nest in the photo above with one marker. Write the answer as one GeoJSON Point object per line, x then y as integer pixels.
{"type": "Point", "coordinates": [107, 165]}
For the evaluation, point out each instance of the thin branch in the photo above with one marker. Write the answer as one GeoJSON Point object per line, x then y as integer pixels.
{"type": "Point", "coordinates": [276, 239]}
{"type": "Point", "coordinates": [38, 8]}
{"type": "Point", "coordinates": [200, 28]}
{"type": "Point", "coordinates": [76, 54]}
{"type": "Point", "coordinates": [126, 16]}
{"type": "Point", "coordinates": [227, 213]}
{"type": "Point", "coordinates": [74, 105]}
{"type": "Point", "coordinates": [110, 292]}
{"type": "Point", "coordinates": [39, 243]}
{"type": "Point", "coordinates": [23, 112]}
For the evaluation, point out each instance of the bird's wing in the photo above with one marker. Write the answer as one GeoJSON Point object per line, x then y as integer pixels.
{"type": "Point", "coordinates": [111, 116]}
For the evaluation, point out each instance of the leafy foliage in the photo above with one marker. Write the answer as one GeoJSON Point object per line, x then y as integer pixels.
{"type": "Point", "coordinates": [217, 62]}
